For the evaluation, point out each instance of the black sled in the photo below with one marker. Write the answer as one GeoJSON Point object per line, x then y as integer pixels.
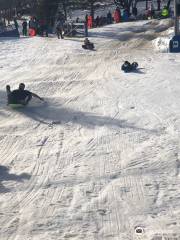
{"type": "Point", "coordinates": [89, 46]}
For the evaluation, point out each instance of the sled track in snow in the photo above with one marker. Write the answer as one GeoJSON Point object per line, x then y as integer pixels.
{"type": "Point", "coordinates": [36, 186]}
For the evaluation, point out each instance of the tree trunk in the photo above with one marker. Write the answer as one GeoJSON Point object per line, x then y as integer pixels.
{"type": "Point", "coordinates": [168, 4]}
{"type": "Point", "coordinates": [92, 10]}
{"type": "Point", "coordinates": [158, 5]}
{"type": "Point", "coordinates": [65, 9]}
{"type": "Point", "coordinates": [135, 3]}
{"type": "Point", "coordinates": [129, 6]}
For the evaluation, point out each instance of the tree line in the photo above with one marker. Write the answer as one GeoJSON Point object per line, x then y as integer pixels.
{"type": "Point", "coordinates": [43, 9]}
{"type": "Point", "coordinates": [47, 9]}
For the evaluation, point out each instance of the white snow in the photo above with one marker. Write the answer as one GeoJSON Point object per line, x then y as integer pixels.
{"type": "Point", "coordinates": [100, 159]}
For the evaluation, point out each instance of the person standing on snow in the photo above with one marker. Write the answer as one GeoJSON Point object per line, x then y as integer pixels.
{"type": "Point", "coordinates": [33, 25]}
{"type": "Point", "coordinates": [59, 29]}
{"type": "Point", "coordinates": [24, 25]}
{"type": "Point", "coordinates": [134, 11]}
{"type": "Point", "coordinates": [117, 15]}
{"type": "Point", "coordinates": [109, 18]}
{"type": "Point", "coordinates": [16, 23]}
{"type": "Point", "coordinates": [165, 12]}
{"type": "Point", "coordinates": [60, 26]}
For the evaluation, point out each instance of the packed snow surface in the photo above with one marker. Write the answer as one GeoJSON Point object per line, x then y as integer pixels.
{"type": "Point", "coordinates": [99, 160]}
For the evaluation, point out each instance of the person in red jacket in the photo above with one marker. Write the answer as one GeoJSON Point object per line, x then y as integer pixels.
{"type": "Point", "coordinates": [90, 22]}
{"type": "Point", "coordinates": [117, 15]}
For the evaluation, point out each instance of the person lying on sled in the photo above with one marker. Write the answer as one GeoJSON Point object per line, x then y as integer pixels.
{"type": "Point", "coordinates": [20, 95]}
{"type": "Point", "coordinates": [87, 44]}
{"type": "Point", "coordinates": [129, 67]}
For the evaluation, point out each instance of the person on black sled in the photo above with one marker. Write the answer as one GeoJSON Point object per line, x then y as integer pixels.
{"type": "Point", "coordinates": [20, 95]}
{"type": "Point", "coordinates": [87, 44]}
{"type": "Point", "coordinates": [128, 67]}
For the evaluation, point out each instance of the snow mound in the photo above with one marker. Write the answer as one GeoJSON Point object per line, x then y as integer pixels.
{"type": "Point", "coordinates": [161, 44]}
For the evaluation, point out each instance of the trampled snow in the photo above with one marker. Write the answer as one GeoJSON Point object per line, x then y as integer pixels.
{"type": "Point", "coordinates": [99, 160]}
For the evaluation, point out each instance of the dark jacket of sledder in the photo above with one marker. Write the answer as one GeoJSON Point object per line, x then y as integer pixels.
{"type": "Point", "coordinates": [18, 96]}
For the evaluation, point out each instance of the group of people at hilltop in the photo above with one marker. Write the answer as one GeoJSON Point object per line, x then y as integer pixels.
{"type": "Point", "coordinates": [100, 21]}
{"type": "Point", "coordinates": [40, 27]}
{"type": "Point", "coordinates": [124, 15]}
{"type": "Point", "coordinates": [164, 13]}
{"type": "Point", "coordinates": [34, 27]}
{"type": "Point", "coordinates": [110, 18]}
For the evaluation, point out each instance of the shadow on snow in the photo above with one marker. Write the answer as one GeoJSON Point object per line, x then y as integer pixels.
{"type": "Point", "coordinates": [51, 114]}
{"type": "Point", "coordinates": [6, 176]}
{"type": "Point", "coordinates": [54, 115]}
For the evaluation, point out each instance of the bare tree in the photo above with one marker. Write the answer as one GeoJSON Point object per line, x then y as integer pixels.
{"type": "Point", "coordinates": [126, 4]}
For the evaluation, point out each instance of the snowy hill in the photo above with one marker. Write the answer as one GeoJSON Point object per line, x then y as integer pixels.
{"type": "Point", "coordinates": [101, 157]}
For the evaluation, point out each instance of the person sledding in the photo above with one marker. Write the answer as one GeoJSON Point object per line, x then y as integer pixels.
{"type": "Point", "coordinates": [20, 96]}
{"type": "Point", "coordinates": [129, 67]}
{"type": "Point", "coordinates": [87, 44]}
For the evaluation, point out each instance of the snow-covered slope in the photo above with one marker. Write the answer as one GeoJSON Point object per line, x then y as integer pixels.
{"type": "Point", "coordinates": [101, 156]}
